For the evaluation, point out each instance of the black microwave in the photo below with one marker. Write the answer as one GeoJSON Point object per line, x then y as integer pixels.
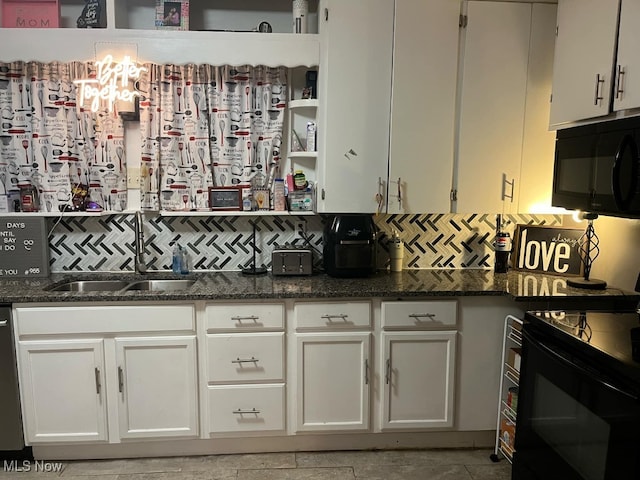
{"type": "Point", "coordinates": [597, 168]}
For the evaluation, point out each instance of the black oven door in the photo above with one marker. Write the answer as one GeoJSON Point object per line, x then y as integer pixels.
{"type": "Point", "coordinates": [574, 422]}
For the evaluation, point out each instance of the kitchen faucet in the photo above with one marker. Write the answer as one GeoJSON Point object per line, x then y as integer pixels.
{"type": "Point", "coordinates": [139, 263]}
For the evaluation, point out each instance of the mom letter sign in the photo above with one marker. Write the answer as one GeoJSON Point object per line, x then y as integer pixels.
{"type": "Point", "coordinates": [547, 249]}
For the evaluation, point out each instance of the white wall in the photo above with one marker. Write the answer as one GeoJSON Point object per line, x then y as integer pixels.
{"type": "Point", "coordinates": [619, 260]}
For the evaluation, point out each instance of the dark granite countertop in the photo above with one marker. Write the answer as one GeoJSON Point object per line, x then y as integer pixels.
{"type": "Point", "coordinates": [535, 289]}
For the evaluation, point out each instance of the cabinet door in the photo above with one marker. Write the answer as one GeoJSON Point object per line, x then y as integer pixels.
{"type": "Point", "coordinates": [157, 388]}
{"type": "Point", "coordinates": [419, 372]}
{"type": "Point", "coordinates": [332, 381]}
{"type": "Point", "coordinates": [494, 82]}
{"type": "Point", "coordinates": [583, 59]}
{"type": "Point", "coordinates": [425, 65]}
{"type": "Point", "coordinates": [538, 144]}
{"type": "Point", "coordinates": [626, 90]}
{"type": "Point", "coordinates": [354, 85]}
{"type": "Point", "coordinates": [63, 396]}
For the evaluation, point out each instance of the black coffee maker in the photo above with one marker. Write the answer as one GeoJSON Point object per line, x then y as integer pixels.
{"type": "Point", "coordinates": [350, 246]}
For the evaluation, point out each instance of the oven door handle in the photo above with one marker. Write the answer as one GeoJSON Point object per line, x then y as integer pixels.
{"type": "Point", "coordinates": [592, 375]}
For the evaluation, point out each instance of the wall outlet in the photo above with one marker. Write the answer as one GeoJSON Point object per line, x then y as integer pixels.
{"type": "Point", "coordinates": [301, 228]}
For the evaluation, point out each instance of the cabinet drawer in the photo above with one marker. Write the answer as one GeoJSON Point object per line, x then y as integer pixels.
{"type": "Point", "coordinates": [244, 357]}
{"type": "Point", "coordinates": [333, 315]}
{"type": "Point", "coordinates": [236, 317]}
{"type": "Point", "coordinates": [104, 319]}
{"type": "Point", "coordinates": [246, 408]}
{"type": "Point", "coordinates": [431, 314]}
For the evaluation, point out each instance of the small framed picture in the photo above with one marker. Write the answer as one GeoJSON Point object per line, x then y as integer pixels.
{"type": "Point", "coordinates": [172, 15]}
{"type": "Point", "coordinates": [225, 198]}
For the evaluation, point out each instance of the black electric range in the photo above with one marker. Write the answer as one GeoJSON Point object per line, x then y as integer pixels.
{"type": "Point", "coordinates": [579, 397]}
{"type": "Point", "coordinates": [610, 339]}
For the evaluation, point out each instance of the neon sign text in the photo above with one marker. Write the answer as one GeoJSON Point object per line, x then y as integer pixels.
{"type": "Point", "coordinates": [111, 83]}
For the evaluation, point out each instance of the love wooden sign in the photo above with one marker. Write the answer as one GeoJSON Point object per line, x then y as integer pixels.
{"type": "Point", "coordinates": [547, 249]}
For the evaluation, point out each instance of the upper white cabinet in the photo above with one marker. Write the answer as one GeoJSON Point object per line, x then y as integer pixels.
{"type": "Point", "coordinates": [425, 64]}
{"type": "Point", "coordinates": [584, 66]}
{"type": "Point", "coordinates": [627, 89]}
{"type": "Point", "coordinates": [354, 88]}
{"type": "Point", "coordinates": [506, 54]}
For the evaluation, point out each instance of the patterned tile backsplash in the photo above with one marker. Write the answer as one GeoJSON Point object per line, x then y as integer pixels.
{"type": "Point", "coordinates": [214, 243]}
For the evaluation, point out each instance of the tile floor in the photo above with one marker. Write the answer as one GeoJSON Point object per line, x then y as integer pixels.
{"type": "Point", "coordinates": [371, 465]}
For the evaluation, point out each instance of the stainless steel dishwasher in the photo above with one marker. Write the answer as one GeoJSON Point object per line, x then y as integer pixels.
{"type": "Point", "coordinates": [11, 436]}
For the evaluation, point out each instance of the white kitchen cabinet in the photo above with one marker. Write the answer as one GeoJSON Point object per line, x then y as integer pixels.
{"type": "Point", "coordinates": [112, 372]}
{"type": "Point", "coordinates": [583, 68]}
{"type": "Point", "coordinates": [425, 65]}
{"type": "Point", "coordinates": [503, 57]}
{"type": "Point", "coordinates": [333, 381]}
{"type": "Point", "coordinates": [244, 370]}
{"type": "Point", "coordinates": [419, 373]}
{"type": "Point", "coordinates": [626, 93]}
{"type": "Point", "coordinates": [62, 383]}
{"type": "Point", "coordinates": [417, 364]}
{"type": "Point", "coordinates": [354, 89]}
{"type": "Point", "coordinates": [157, 386]}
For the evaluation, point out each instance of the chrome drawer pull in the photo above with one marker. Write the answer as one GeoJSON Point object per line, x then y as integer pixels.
{"type": "Point", "coordinates": [241, 411]}
{"type": "Point", "coordinates": [98, 384]}
{"type": "Point", "coordinates": [340, 316]}
{"type": "Point", "coordinates": [245, 360]}
{"type": "Point", "coordinates": [240, 319]}
{"type": "Point", "coordinates": [419, 316]}
{"type": "Point", "coordinates": [120, 380]}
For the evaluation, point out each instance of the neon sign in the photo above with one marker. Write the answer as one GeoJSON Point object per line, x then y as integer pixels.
{"type": "Point", "coordinates": [111, 83]}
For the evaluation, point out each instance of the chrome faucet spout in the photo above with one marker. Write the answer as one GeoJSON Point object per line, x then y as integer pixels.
{"type": "Point", "coordinates": [139, 263]}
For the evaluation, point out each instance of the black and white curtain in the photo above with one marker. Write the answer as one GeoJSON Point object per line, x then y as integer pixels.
{"type": "Point", "coordinates": [72, 156]}
{"type": "Point", "coordinates": [205, 126]}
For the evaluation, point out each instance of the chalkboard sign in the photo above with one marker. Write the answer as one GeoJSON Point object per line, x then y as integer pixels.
{"type": "Point", "coordinates": [547, 249]}
{"type": "Point", "coordinates": [24, 247]}
{"type": "Point", "coordinates": [225, 198]}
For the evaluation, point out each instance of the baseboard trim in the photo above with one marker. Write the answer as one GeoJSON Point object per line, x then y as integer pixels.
{"type": "Point", "coordinates": [293, 443]}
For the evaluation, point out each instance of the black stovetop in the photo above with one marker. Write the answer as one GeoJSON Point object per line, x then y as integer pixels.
{"type": "Point", "coordinates": [605, 335]}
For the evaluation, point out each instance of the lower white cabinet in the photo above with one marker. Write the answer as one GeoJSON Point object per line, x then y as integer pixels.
{"type": "Point", "coordinates": [157, 386]}
{"type": "Point", "coordinates": [333, 381]}
{"type": "Point", "coordinates": [245, 369]}
{"type": "Point", "coordinates": [419, 373]}
{"type": "Point", "coordinates": [63, 394]}
{"type": "Point", "coordinates": [93, 386]}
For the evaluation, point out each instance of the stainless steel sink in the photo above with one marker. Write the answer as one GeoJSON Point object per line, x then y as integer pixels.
{"type": "Point", "coordinates": [161, 285]}
{"type": "Point", "coordinates": [90, 286]}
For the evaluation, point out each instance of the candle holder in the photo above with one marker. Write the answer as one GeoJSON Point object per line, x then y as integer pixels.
{"type": "Point", "coordinates": [588, 246]}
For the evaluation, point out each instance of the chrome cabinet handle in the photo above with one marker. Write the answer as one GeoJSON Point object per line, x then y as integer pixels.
{"type": "Point", "coordinates": [366, 371]}
{"type": "Point", "coordinates": [120, 380]}
{"type": "Point", "coordinates": [619, 82]}
{"type": "Point", "coordinates": [240, 319]}
{"type": "Point", "coordinates": [245, 360]}
{"type": "Point", "coordinates": [387, 375]}
{"type": "Point", "coordinates": [341, 316]}
{"type": "Point", "coordinates": [98, 384]}
{"type": "Point", "coordinates": [511, 183]}
{"type": "Point", "coordinates": [245, 411]}
{"type": "Point", "coordinates": [4, 323]}
{"type": "Point", "coordinates": [599, 81]}
{"type": "Point", "coordinates": [419, 316]}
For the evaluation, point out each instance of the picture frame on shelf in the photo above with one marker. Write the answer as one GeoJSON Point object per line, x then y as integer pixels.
{"type": "Point", "coordinates": [30, 13]}
{"type": "Point", "coordinates": [172, 15]}
{"type": "Point", "coordinates": [225, 198]}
